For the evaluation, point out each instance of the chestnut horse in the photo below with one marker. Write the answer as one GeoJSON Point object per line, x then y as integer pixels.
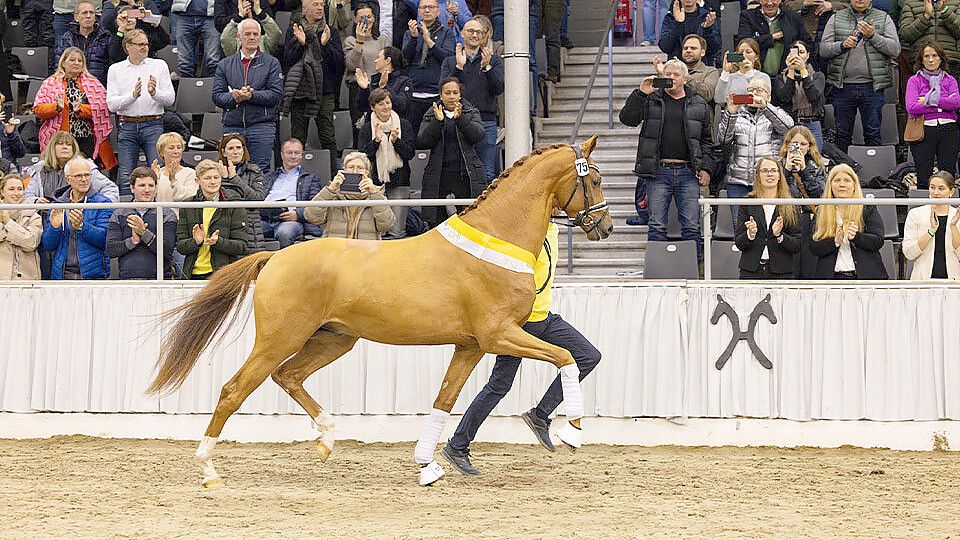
{"type": "Point", "coordinates": [469, 283]}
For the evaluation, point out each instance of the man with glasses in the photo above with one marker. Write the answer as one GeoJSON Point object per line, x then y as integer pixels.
{"type": "Point", "coordinates": [77, 238]}
{"type": "Point", "coordinates": [138, 90]}
{"type": "Point", "coordinates": [481, 73]}
{"type": "Point", "coordinates": [426, 44]}
{"type": "Point", "coordinates": [289, 182]}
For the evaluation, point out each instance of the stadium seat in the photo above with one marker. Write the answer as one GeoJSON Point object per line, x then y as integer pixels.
{"type": "Point", "coordinates": [344, 127]}
{"type": "Point", "coordinates": [13, 35]}
{"type": "Point", "coordinates": [285, 128]}
{"type": "Point", "coordinates": [32, 87]}
{"type": "Point", "coordinates": [34, 60]}
{"type": "Point", "coordinates": [889, 259]}
{"type": "Point", "coordinates": [671, 260]}
{"type": "Point", "coordinates": [417, 167]}
{"type": "Point", "coordinates": [28, 160]}
{"type": "Point", "coordinates": [194, 96]}
{"type": "Point", "coordinates": [169, 55]}
{"type": "Point", "coordinates": [282, 19]}
{"type": "Point", "coordinates": [887, 212]}
{"type": "Point", "coordinates": [724, 230]}
{"type": "Point", "coordinates": [874, 161]}
{"type": "Point", "coordinates": [318, 162]}
{"type": "Point", "coordinates": [192, 158]}
{"type": "Point", "coordinates": [673, 222]}
{"type": "Point", "coordinates": [918, 194]}
{"type": "Point", "coordinates": [344, 95]}
{"type": "Point", "coordinates": [729, 21]}
{"type": "Point", "coordinates": [907, 267]}
{"type": "Point", "coordinates": [725, 260]}
{"type": "Point", "coordinates": [212, 127]}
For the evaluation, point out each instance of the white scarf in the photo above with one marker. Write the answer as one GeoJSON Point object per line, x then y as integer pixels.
{"type": "Point", "coordinates": [387, 158]}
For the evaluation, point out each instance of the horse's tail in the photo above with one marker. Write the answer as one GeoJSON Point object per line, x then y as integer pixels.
{"type": "Point", "coordinates": [202, 317]}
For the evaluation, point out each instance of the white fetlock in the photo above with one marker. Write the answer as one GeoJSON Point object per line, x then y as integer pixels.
{"type": "Point", "coordinates": [570, 435]}
{"type": "Point", "coordinates": [325, 425]}
{"type": "Point", "coordinates": [203, 459]}
{"type": "Point", "coordinates": [430, 473]}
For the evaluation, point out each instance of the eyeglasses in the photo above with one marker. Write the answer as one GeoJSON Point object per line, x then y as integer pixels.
{"type": "Point", "coordinates": [474, 32]}
{"type": "Point", "coordinates": [81, 176]}
{"type": "Point", "coordinates": [428, 8]}
{"type": "Point", "coordinates": [144, 44]}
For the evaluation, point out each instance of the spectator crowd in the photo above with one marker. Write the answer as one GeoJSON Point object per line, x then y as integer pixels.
{"type": "Point", "coordinates": [775, 116]}
{"type": "Point", "coordinates": [132, 88]}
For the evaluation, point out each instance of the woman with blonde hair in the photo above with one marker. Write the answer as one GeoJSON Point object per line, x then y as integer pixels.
{"type": "Point", "coordinates": [174, 181]}
{"type": "Point", "coordinates": [931, 237]}
{"type": "Point", "coordinates": [74, 101]}
{"type": "Point", "coordinates": [847, 238]}
{"type": "Point", "coordinates": [20, 232]}
{"type": "Point", "coordinates": [768, 236]}
{"type": "Point", "coordinates": [47, 178]}
{"type": "Point", "coordinates": [363, 222]}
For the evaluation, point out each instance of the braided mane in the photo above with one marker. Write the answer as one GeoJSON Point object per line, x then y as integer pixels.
{"type": "Point", "coordinates": [496, 181]}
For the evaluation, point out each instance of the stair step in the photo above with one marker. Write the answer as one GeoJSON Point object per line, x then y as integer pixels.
{"type": "Point", "coordinates": [570, 92]}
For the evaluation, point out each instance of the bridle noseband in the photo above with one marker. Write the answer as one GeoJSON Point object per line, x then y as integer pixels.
{"type": "Point", "coordinates": [584, 218]}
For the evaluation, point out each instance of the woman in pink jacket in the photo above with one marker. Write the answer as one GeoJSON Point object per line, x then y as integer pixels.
{"type": "Point", "coordinates": [933, 93]}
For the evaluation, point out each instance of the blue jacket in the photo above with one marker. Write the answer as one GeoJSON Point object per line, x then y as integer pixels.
{"type": "Point", "coordinates": [91, 239]}
{"type": "Point", "coordinates": [308, 185]}
{"type": "Point", "coordinates": [11, 146]}
{"type": "Point", "coordinates": [427, 78]}
{"type": "Point", "coordinates": [96, 48]}
{"type": "Point", "coordinates": [263, 76]}
{"type": "Point", "coordinates": [673, 32]}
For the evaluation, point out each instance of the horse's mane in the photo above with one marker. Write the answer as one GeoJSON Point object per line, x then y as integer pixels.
{"type": "Point", "coordinates": [496, 181]}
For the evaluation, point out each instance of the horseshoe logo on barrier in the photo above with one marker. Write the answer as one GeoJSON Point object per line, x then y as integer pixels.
{"type": "Point", "coordinates": [764, 309]}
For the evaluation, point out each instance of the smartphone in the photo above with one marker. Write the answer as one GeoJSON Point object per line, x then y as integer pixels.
{"type": "Point", "coordinates": [8, 115]}
{"type": "Point", "coordinates": [794, 148]}
{"type": "Point", "coordinates": [795, 51]}
{"type": "Point", "coordinates": [734, 57]}
{"type": "Point", "coordinates": [135, 13]}
{"type": "Point", "coordinates": [741, 99]}
{"type": "Point", "coordinates": [351, 182]}
{"type": "Point", "coordinates": [662, 82]}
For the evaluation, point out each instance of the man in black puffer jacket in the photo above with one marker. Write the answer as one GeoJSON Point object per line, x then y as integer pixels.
{"type": "Point", "coordinates": [671, 162]}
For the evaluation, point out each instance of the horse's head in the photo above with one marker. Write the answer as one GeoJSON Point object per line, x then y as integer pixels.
{"type": "Point", "coordinates": [580, 195]}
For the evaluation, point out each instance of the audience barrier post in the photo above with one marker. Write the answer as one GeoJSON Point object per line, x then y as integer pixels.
{"type": "Point", "coordinates": [159, 241]}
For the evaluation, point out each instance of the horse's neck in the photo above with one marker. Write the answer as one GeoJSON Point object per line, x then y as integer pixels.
{"type": "Point", "coordinates": [517, 211]}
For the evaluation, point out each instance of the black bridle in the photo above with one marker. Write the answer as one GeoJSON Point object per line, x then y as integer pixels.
{"type": "Point", "coordinates": [584, 218]}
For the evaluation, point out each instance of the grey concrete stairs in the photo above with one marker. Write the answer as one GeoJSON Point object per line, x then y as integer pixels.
{"type": "Point", "coordinates": [616, 153]}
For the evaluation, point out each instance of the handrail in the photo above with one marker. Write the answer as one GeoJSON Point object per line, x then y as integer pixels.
{"type": "Point", "coordinates": [607, 40]}
{"type": "Point", "coordinates": [706, 210]}
{"type": "Point", "coordinates": [226, 204]}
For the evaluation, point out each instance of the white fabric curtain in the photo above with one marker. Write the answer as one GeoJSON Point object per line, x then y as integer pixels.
{"type": "Point", "coordinates": [838, 353]}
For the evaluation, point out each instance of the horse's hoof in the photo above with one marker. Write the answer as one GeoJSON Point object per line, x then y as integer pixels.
{"type": "Point", "coordinates": [212, 483]}
{"type": "Point", "coordinates": [570, 436]}
{"type": "Point", "coordinates": [324, 451]}
{"type": "Point", "coordinates": [430, 473]}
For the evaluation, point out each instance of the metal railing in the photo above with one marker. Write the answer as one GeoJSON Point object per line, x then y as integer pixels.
{"type": "Point", "coordinates": [706, 210]}
{"type": "Point", "coordinates": [226, 204]}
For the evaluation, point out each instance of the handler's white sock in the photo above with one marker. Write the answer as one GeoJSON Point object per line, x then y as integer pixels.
{"type": "Point", "coordinates": [427, 443]}
{"type": "Point", "coordinates": [572, 396]}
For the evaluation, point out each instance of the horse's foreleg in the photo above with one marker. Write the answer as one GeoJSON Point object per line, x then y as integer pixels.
{"type": "Point", "coordinates": [461, 366]}
{"type": "Point", "coordinates": [321, 349]}
{"type": "Point", "coordinates": [514, 341]}
{"type": "Point", "coordinates": [253, 372]}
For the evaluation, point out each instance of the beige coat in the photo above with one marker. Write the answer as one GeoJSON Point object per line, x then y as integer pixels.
{"type": "Point", "coordinates": [19, 239]}
{"type": "Point", "coordinates": [351, 222]}
{"type": "Point", "coordinates": [183, 188]}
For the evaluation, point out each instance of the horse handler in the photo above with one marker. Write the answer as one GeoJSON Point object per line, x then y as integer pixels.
{"type": "Point", "coordinates": [542, 324]}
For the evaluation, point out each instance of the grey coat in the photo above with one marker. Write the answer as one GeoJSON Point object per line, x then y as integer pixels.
{"type": "Point", "coordinates": [750, 135]}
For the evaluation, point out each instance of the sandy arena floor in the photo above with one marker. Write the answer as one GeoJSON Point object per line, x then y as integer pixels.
{"type": "Point", "coordinates": [81, 487]}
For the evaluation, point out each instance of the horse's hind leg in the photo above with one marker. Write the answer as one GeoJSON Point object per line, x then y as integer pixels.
{"type": "Point", "coordinates": [321, 349]}
{"type": "Point", "coordinates": [461, 366]}
{"type": "Point", "coordinates": [266, 356]}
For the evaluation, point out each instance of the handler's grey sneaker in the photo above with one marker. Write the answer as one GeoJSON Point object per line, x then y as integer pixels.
{"type": "Point", "coordinates": [460, 460]}
{"type": "Point", "coordinates": [540, 428]}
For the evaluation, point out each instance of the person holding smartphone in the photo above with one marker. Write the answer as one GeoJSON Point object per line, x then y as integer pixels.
{"type": "Point", "coordinates": [11, 144]}
{"type": "Point", "coordinates": [361, 51]}
{"type": "Point", "coordinates": [270, 36]}
{"type": "Point", "coordinates": [751, 131]}
{"type": "Point", "coordinates": [805, 171]}
{"type": "Point", "coordinates": [739, 68]}
{"type": "Point", "coordinates": [798, 89]}
{"type": "Point", "coordinates": [352, 183]}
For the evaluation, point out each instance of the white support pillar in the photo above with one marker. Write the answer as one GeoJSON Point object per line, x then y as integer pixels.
{"type": "Point", "coordinates": [518, 141]}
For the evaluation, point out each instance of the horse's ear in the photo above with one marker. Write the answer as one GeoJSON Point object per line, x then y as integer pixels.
{"type": "Point", "coordinates": [588, 145]}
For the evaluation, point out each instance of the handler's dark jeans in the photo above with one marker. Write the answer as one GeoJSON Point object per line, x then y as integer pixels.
{"type": "Point", "coordinates": [553, 330]}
